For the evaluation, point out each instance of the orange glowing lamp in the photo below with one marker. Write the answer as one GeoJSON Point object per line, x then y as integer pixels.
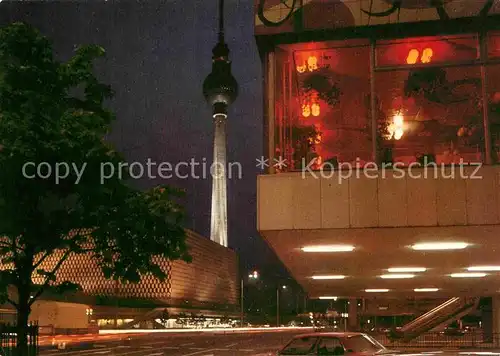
{"type": "Point", "coordinates": [312, 63]}
{"type": "Point", "coordinates": [412, 56]}
{"type": "Point", "coordinates": [306, 110]}
{"type": "Point", "coordinates": [398, 133]}
{"type": "Point", "coordinates": [397, 127]}
{"type": "Point", "coordinates": [315, 109]}
{"type": "Point", "coordinates": [302, 68]}
{"type": "Point", "coordinates": [427, 55]}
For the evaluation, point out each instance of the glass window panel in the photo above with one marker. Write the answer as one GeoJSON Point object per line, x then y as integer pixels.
{"type": "Point", "coordinates": [362, 344]}
{"type": "Point", "coordinates": [494, 45]}
{"type": "Point", "coordinates": [493, 85]}
{"type": "Point", "coordinates": [427, 50]}
{"type": "Point", "coordinates": [300, 346]}
{"type": "Point", "coordinates": [322, 107]}
{"type": "Point", "coordinates": [432, 114]}
{"type": "Point", "coordinates": [330, 346]}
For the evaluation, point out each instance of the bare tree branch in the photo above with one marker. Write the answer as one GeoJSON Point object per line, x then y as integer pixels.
{"type": "Point", "coordinates": [49, 277]}
{"type": "Point", "coordinates": [40, 261]}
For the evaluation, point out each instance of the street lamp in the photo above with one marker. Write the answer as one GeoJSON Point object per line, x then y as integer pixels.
{"type": "Point", "coordinates": [278, 305]}
{"type": "Point", "coordinates": [253, 275]}
{"type": "Point", "coordinates": [89, 313]}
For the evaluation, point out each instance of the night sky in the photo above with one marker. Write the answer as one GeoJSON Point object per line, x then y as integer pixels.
{"type": "Point", "coordinates": [158, 54]}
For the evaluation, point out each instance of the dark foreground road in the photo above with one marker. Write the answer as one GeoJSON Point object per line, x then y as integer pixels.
{"type": "Point", "coordinates": [214, 344]}
{"type": "Point", "coordinates": [217, 344]}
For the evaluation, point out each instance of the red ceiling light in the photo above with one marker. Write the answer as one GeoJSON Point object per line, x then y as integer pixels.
{"type": "Point", "coordinates": [302, 68]}
{"type": "Point", "coordinates": [312, 63]}
{"type": "Point", "coordinates": [306, 110]}
{"type": "Point", "coordinates": [315, 109]}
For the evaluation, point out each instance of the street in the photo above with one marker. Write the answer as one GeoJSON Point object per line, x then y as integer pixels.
{"type": "Point", "coordinates": [216, 344]}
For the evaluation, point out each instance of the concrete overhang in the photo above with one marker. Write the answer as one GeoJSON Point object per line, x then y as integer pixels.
{"type": "Point", "coordinates": [382, 218]}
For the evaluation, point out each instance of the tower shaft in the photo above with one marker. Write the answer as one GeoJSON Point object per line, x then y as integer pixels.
{"type": "Point", "coordinates": [218, 223]}
{"type": "Point", "coordinates": [220, 89]}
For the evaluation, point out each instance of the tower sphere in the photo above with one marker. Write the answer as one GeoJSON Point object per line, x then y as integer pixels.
{"type": "Point", "coordinates": [220, 87]}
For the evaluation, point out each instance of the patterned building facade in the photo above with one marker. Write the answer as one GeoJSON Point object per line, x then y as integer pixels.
{"type": "Point", "coordinates": [212, 277]}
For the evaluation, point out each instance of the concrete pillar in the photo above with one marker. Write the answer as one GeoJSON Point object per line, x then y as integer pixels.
{"type": "Point", "coordinates": [495, 314]}
{"type": "Point", "coordinates": [487, 320]}
{"type": "Point", "coordinates": [352, 310]}
{"type": "Point", "coordinates": [490, 320]}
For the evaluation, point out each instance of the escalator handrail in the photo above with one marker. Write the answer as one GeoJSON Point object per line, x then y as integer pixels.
{"type": "Point", "coordinates": [444, 312]}
{"type": "Point", "coordinates": [425, 326]}
{"type": "Point", "coordinates": [430, 313]}
{"type": "Point", "coordinates": [441, 318]}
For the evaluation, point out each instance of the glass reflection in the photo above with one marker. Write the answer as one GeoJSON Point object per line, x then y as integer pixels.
{"type": "Point", "coordinates": [428, 102]}
{"type": "Point", "coordinates": [328, 93]}
{"type": "Point", "coordinates": [430, 115]}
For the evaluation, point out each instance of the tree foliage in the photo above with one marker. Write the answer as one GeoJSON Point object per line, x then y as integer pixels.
{"type": "Point", "coordinates": [55, 112]}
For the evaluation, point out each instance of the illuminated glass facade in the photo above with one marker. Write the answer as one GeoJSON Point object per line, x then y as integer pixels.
{"type": "Point", "coordinates": [391, 101]}
{"type": "Point", "coordinates": [372, 83]}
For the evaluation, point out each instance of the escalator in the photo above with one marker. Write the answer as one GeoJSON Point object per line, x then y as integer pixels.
{"type": "Point", "coordinates": [442, 315]}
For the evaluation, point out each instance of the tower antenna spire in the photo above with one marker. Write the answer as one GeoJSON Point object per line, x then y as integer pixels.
{"type": "Point", "coordinates": [221, 21]}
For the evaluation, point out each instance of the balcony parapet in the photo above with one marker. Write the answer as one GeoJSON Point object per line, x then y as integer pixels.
{"type": "Point", "coordinates": [417, 197]}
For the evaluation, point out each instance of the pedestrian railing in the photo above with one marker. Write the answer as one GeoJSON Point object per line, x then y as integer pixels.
{"type": "Point", "coordinates": [9, 340]}
{"type": "Point", "coordinates": [467, 340]}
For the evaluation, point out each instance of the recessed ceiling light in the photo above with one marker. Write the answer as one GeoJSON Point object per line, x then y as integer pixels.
{"type": "Point", "coordinates": [328, 298]}
{"type": "Point", "coordinates": [428, 246]}
{"type": "Point", "coordinates": [376, 290]}
{"type": "Point", "coordinates": [406, 269]}
{"type": "Point", "coordinates": [329, 277]}
{"type": "Point", "coordinates": [483, 268]}
{"type": "Point", "coordinates": [467, 275]}
{"type": "Point", "coordinates": [418, 290]}
{"type": "Point", "coordinates": [328, 248]}
{"type": "Point", "coordinates": [397, 276]}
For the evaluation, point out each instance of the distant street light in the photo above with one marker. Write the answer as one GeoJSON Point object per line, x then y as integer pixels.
{"type": "Point", "coordinates": [278, 305]}
{"type": "Point", "coordinates": [253, 275]}
{"type": "Point", "coordinates": [89, 313]}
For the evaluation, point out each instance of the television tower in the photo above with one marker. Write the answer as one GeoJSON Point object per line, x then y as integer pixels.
{"type": "Point", "coordinates": [220, 90]}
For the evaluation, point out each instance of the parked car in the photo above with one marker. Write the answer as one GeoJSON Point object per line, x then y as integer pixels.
{"type": "Point", "coordinates": [335, 344]}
